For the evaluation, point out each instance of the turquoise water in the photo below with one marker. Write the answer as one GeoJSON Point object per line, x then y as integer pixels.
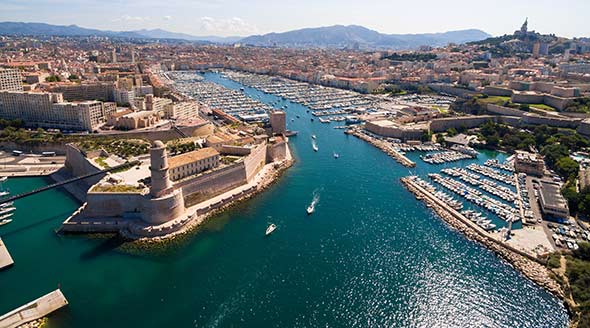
{"type": "Point", "coordinates": [371, 255]}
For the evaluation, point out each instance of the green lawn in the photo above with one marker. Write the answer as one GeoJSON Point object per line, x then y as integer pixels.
{"type": "Point", "coordinates": [543, 107]}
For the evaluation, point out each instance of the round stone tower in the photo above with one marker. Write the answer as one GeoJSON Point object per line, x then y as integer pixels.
{"type": "Point", "coordinates": [161, 184]}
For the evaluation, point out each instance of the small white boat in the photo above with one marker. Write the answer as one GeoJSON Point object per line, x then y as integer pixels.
{"type": "Point", "coordinates": [2, 179]}
{"type": "Point", "coordinates": [4, 193]}
{"type": "Point", "coordinates": [6, 204]}
{"type": "Point", "coordinates": [5, 221]}
{"type": "Point", "coordinates": [271, 228]}
{"type": "Point", "coordinates": [311, 208]}
{"type": "Point", "coordinates": [336, 155]}
{"type": "Point", "coordinates": [315, 148]}
{"type": "Point", "coordinates": [6, 216]}
{"type": "Point", "coordinates": [313, 136]}
{"type": "Point", "coordinates": [7, 210]}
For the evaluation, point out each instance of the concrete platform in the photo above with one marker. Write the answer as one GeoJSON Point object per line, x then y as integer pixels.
{"type": "Point", "coordinates": [5, 259]}
{"type": "Point", "coordinates": [34, 310]}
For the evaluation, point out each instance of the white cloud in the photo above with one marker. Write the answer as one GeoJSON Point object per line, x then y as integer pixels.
{"type": "Point", "coordinates": [226, 26]}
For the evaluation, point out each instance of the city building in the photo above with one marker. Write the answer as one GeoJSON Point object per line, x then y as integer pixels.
{"type": "Point", "coordinates": [194, 162]}
{"type": "Point", "coordinates": [529, 163]}
{"type": "Point", "coordinates": [181, 110]}
{"type": "Point", "coordinates": [10, 80]}
{"type": "Point", "coordinates": [48, 110]}
{"type": "Point", "coordinates": [553, 204]}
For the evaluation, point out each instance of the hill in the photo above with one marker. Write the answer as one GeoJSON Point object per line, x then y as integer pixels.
{"type": "Point", "coordinates": [340, 36]}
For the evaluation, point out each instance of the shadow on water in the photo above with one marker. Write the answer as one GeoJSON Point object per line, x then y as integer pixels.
{"type": "Point", "coordinates": [108, 245]}
{"type": "Point", "coordinates": [35, 224]}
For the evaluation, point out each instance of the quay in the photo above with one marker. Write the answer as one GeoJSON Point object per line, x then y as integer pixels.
{"type": "Point", "coordinates": [5, 258]}
{"type": "Point", "coordinates": [530, 266]}
{"type": "Point", "coordinates": [384, 146]}
{"type": "Point", "coordinates": [34, 310]}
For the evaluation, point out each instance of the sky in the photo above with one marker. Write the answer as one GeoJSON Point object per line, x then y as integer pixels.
{"type": "Point", "coordinates": [567, 18]}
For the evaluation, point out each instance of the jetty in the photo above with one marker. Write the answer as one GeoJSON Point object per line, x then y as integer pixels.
{"type": "Point", "coordinates": [34, 310]}
{"type": "Point", "coordinates": [530, 266]}
{"type": "Point", "coordinates": [384, 146]}
{"type": "Point", "coordinates": [5, 259]}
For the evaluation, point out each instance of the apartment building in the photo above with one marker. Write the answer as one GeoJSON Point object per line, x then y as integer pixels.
{"type": "Point", "coordinates": [10, 79]}
{"type": "Point", "coordinates": [191, 163]}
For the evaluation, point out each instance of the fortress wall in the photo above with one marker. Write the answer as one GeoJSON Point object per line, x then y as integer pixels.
{"type": "Point", "coordinates": [276, 152]}
{"type": "Point", "coordinates": [443, 124]}
{"type": "Point", "coordinates": [501, 110]}
{"type": "Point", "coordinates": [112, 205]}
{"type": "Point", "coordinates": [255, 161]}
{"type": "Point", "coordinates": [77, 164]}
{"type": "Point", "coordinates": [161, 210]}
{"type": "Point", "coordinates": [215, 181]}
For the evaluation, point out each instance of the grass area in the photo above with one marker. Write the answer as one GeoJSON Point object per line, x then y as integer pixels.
{"type": "Point", "coordinates": [496, 100]}
{"type": "Point", "coordinates": [543, 107]}
{"type": "Point", "coordinates": [101, 161]}
{"type": "Point", "coordinates": [124, 148]}
{"type": "Point", "coordinates": [117, 188]}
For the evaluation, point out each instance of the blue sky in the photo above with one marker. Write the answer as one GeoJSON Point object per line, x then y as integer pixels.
{"type": "Point", "coordinates": [234, 17]}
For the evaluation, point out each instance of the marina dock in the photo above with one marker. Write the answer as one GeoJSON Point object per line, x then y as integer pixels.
{"type": "Point", "coordinates": [5, 259]}
{"type": "Point", "coordinates": [34, 310]}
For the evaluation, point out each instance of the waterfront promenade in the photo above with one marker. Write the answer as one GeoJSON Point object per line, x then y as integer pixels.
{"type": "Point", "coordinates": [34, 310]}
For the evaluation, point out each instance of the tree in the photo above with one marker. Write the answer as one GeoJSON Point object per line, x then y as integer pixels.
{"type": "Point", "coordinates": [567, 167]}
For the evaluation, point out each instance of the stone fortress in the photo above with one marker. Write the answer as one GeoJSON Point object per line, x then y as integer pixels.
{"type": "Point", "coordinates": [115, 204]}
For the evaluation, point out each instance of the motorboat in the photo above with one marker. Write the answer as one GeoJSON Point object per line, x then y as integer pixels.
{"type": "Point", "coordinates": [5, 221]}
{"type": "Point", "coordinates": [271, 228]}
{"type": "Point", "coordinates": [336, 155]}
{"type": "Point", "coordinates": [7, 210]}
{"type": "Point", "coordinates": [8, 204]}
{"type": "Point", "coordinates": [313, 136]}
{"type": "Point", "coordinates": [311, 208]}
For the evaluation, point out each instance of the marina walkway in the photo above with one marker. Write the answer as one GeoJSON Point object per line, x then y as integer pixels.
{"type": "Point", "coordinates": [5, 259]}
{"type": "Point", "coordinates": [34, 310]}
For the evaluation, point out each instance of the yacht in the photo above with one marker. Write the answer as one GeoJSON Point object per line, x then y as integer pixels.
{"type": "Point", "coordinates": [2, 179]}
{"type": "Point", "coordinates": [4, 193]}
{"type": "Point", "coordinates": [8, 204]}
{"type": "Point", "coordinates": [5, 221]}
{"type": "Point", "coordinates": [271, 228]}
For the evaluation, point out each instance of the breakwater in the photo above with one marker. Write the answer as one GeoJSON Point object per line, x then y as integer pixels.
{"type": "Point", "coordinates": [384, 146]}
{"type": "Point", "coordinates": [529, 266]}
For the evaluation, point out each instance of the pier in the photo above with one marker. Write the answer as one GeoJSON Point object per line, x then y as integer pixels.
{"type": "Point", "coordinates": [34, 310]}
{"type": "Point", "coordinates": [384, 146]}
{"type": "Point", "coordinates": [5, 258]}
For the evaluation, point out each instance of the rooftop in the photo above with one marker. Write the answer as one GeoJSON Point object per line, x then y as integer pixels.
{"type": "Point", "coordinates": [193, 156]}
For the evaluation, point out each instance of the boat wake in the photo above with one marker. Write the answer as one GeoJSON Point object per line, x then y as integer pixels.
{"type": "Point", "coordinates": [314, 202]}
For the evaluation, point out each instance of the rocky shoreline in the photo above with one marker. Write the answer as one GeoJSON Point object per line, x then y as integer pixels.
{"type": "Point", "coordinates": [534, 270]}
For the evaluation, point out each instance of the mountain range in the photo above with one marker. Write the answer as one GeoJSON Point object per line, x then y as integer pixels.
{"type": "Point", "coordinates": [337, 36]}
{"type": "Point", "coordinates": [340, 36]}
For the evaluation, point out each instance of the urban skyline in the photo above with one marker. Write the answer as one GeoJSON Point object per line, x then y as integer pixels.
{"type": "Point", "coordinates": [232, 18]}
